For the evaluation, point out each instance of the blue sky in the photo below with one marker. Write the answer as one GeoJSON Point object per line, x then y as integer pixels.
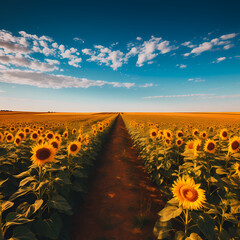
{"type": "Point", "coordinates": [94, 56]}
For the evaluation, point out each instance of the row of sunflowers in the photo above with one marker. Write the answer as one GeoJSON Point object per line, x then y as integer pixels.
{"type": "Point", "coordinates": [199, 174]}
{"type": "Point", "coordinates": [44, 169]}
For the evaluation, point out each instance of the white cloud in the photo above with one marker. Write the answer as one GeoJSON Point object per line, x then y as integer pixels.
{"type": "Point", "coordinates": [35, 37]}
{"type": "Point", "coordinates": [53, 61]}
{"type": "Point", "coordinates": [86, 51]}
{"type": "Point", "coordinates": [196, 80]}
{"type": "Point", "coordinates": [228, 46]}
{"type": "Point", "coordinates": [181, 96]}
{"type": "Point", "coordinates": [220, 59]}
{"type": "Point", "coordinates": [1, 91]}
{"type": "Point", "coordinates": [43, 80]}
{"type": "Point", "coordinates": [75, 62]}
{"type": "Point", "coordinates": [13, 47]}
{"type": "Point", "coordinates": [146, 85]}
{"type": "Point", "coordinates": [76, 39]}
{"type": "Point", "coordinates": [139, 38]}
{"type": "Point", "coordinates": [181, 65]}
{"type": "Point", "coordinates": [228, 36]}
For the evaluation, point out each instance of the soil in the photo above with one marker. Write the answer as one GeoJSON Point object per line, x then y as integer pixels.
{"type": "Point", "coordinates": [122, 203]}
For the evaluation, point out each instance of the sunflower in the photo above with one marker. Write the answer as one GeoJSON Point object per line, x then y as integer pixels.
{"type": "Point", "coordinates": [100, 128]}
{"type": "Point", "coordinates": [86, 139]}
{"type": "Point", "coordinates": [224, 134]}
{"type": "Point", "coordinates": [189, 145]}
{"type": "Point", "coordinates": [21, 134]}
{"type": "Point", "coordinates": [234, 145]}
{"type": "Point", "coordinates": [179, 142]}
{"type": "Point", "coordinates": [74, 131]}
{"type": "Point", "coordinates": [1, 137]}
{"type": "Point", "coordinates": [17, 141]}
{"type": "Point", "coordinates": [168, 142]}
{"type": "Point", "coordinates": [43, 153]}
{"type": "Point", "coordinates": [196, 147]}
{"type": "Point", "coordinates": [203, 135]}
{"type": "Point", "coordinates": [74, 147]}
{"type": "Point", "coordinates": [55, 143]}
{"type": "Point", "coordinates": [210, 146]}
{"type": "Point", "coordinates": [153, 133]}
{"type": "Point", "coordinates": [94, 131]}
{"type": "Point", "coordinates": [34, 136]}
{"type": "Point", "coordinates": [27, 130]}
{"type": "Point", "coordinates": [12, 129]}
{"type": "Point", "coordinates": [189, 195]}
{"type": "Point", "coordinates": [167, 134]}
{"type": "Point", "coordinates": [179, 134]}
{"type": "Point", "coordinates": [40, 140]}
{"type": "Point", "coordinates": [237, 169]}
{"type": "Point", "coordinates": [65, 134]}
{"type": "Point", "coordinates": [195, 132]}
{"type": "Point", "coordinates": [9, 137]}
{"type": "Point", "coordinates": [50, 135]}
{"type": "Point", "coordinates": [58, 137]}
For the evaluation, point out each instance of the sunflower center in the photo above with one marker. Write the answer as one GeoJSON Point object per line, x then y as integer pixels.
{"type": "Point", "coordinates": [9, 137]}
{"type": "Point", "coordinates": [204, 134]}
{"type": "Point", "coordinates": [34, 135]}
{"type": "Point", "coordinates": [73, 147]}
{"type": "Point", "coordinates": [196, 132]}
{"type": "Point", "coordinates": [189, 193]}
{"type": "Point", "coordinates": [154, 134]}
{"type": "Point", "coordinates": [235, 145]}
{"type": "Point", "coordinates": [179, 142]}
{"type": "Point", "coordinates": [168, 134]}
{"type": "Point", "coordinates": [224, 134]}
{"type": "Point", "coordinates": [210, 146]}
{"type": "Point", "coordinates": [180, 134]}
{"type": "Point", "coordinates": [50, 136]}
{"type": "Point", "coordinates": [55, 144]}
{"type": "Point", "coordinates": [27, 130]}
{"type": "Point", "coordinates": [17, 140]}
{"type": "Point", "coordinates": [43, 153]}
{"type": "Point", "coordinates": [21, 135]}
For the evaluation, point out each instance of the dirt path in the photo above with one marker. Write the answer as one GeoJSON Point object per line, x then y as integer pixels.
{"type": "Point", "coordinates": [122, 203]}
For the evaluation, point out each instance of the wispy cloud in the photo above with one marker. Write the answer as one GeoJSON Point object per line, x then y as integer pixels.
{"type": "Point", "coordinates": [146, 85]}
{"type": "Point", "coordinates": [182, 96]}
{"type": "Point", "coordinates": [196, 80]}
{"type": "Point", "coordinates": [44, 80]}
{"type": "Point", "coordinates": [181, 65]}
{"type": "Point", "coordinates": [76, 39]}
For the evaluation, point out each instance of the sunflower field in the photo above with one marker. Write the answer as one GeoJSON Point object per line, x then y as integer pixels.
{"type": "Point", "coordinates": [44, 167]}
{"type": "Point", "coordinates": [196, 163]}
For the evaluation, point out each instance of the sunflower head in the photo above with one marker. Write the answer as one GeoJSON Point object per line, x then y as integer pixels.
{"type": "Point", "coordinates": [179, 134]}
{"type": "Point", "coordinates": [168, 142]}
{"type": "Point", "coordinates": [179, 142]}
{"type": "Point", "coordinates": [210, 146]}
{"type": "Point", "coordinates": [203, 135]}
{"type": "Point", "coordinates": [43, 153]}
{"type": "Point", "coordinates": [50, 135]}
{"type": "Point", "coordinates": [224, 134]}
{"type": "Point", "coordinates": [189, 195]}
{"type": "Point", "coordinates": [1, 137]}
{"type": "Point", "coordinates": [12, 129]}
{"type": "Point", "coordinates": [153, 133]}
{"type": "Point", "coordinates": [189, 145]}
{"type": "Point", "coordinates": [34, 136]}
{"type": "Point", "coordinates": [17, 141]}
{"type": "Point", "coordinates": [74, 131]}
{"type": "Point", "coordinates": [74, 147]}
{"type": "Point", "coordinates": [22, 135]}
{"type": "Point", "coordinates": [55, 143]}
{"type": "Point", "coordinates": [196, 147]}
{"type": "Point", "coordinates": [9, 137]}
{"type": "Point", "coordinates": [234, 145]}
{"type": "Point", "coordinates": [195, 132]}
{"type": "Point", "coordinates": [65, 134]}
{"type": "Point", "coordinates": [167, 134]}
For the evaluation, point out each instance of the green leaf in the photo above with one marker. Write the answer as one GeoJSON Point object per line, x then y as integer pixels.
{"type": "Point", "coordinates": [49, 228]}
{"type": "Point", "coordinates": [27, 210]}
{"type": "Point", "coordinates": [161, 229]}
{"type": "Point", "coordinates": [179, 235]}
{"type": "Point", "coordinates": [206, 225]}
{"type": "Point", "coordinates": [6, 205]}
{"type": "Point", "coordinates": [27, 180]}
{"type": "Point", "coordinates": [194, 236]}
{"type": "Point", "coordinates": [16, 219]}
{"type": "Point", "coordinates": [60, 203]}
{"type": "Point", "coordinates": [22, 233]}
{"type": "Point", "coordinates": [19, 193]}
{"type": "Point", "coordinates": [169, 212]}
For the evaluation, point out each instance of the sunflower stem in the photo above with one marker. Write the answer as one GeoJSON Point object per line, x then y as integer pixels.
{"type": "Point", "coordinates": [186, 221]}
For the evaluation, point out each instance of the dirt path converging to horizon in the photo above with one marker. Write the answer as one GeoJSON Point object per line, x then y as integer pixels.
{"type": "Point", "coordinates": [122, 203]}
